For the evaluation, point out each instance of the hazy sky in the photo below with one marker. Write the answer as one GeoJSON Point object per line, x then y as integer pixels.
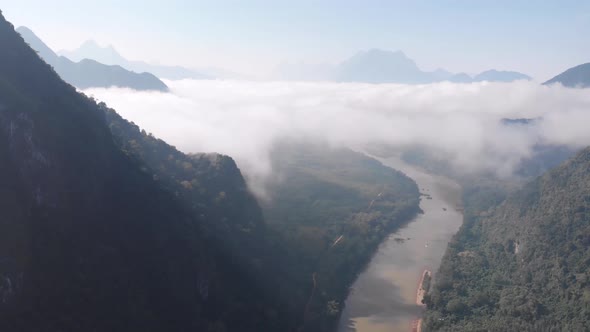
{"type": "Point", "coordinates": [540, 38]}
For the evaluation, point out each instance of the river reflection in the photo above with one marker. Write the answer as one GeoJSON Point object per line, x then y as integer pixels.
{"type": "Point", "coordinates": [383, 298]}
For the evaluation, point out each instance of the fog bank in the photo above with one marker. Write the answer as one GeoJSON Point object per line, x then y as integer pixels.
{"type": "Point", "coordinates": [460, 121]}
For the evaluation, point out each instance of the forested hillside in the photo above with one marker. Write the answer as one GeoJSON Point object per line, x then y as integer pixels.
{"type": "Point", "coordinates": [229, 216]}
{"type": "Point", "coordinates": [332, 208]}
{"type": "Point", "coordinates": [523, 265]}
{"type": "Point", "coordinates": [319, 195]}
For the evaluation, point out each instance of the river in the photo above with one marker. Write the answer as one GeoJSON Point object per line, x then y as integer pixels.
{"type": "Point", "coordinates": [383, 298]}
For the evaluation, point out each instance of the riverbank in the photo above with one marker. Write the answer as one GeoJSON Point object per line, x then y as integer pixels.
{"type": "Point", "coordinates": [417, 325]}
{"type": "Point", "coordinates": [341, 205]}
{"type": "Point", "coordinates": [422, 288]}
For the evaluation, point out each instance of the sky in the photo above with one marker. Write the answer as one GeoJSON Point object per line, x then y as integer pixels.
{"type": "Point", "coordinates": [538, 38]}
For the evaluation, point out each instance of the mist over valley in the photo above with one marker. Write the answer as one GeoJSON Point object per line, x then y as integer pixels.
{"type": "Point", "coordinates": [294, 166]}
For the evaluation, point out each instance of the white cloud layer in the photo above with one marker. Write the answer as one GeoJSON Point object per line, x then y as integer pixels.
{"type": "Point", "coordinates": [462, 121]}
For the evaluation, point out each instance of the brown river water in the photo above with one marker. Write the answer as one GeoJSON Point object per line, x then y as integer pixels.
{"type": "Point", "coordinates": [383, 298]}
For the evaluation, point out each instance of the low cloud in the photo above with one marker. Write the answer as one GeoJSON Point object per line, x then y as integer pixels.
{"type": "Point", "coordinates": [459, 121]}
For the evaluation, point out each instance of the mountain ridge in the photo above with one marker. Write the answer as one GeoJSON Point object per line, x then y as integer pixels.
{"type": "Point", "coordinates": [89, 73]}
{"type": "Point", "coordinates": [91, 239]}
{"type": "Point", "coordinates": [382, 66]}
{"type": "Point", "coordinates": [110, 56]}
{"type": "Point", "coordinates": [575, 77]}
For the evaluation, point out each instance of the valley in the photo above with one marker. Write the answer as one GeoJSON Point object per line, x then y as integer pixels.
{"type": "Point", "coordinates": [288, 167]}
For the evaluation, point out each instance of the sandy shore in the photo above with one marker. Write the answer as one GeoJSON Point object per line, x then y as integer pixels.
{"type": "Point", "coordinates": [417, 325]}
{"type": "Point", "coordinates": [421, 291]}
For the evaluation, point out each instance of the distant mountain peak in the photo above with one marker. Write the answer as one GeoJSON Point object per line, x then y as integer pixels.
{"type": "Point", "coordinates": [380, 51]}
{"type": "Point", "coordinates": [377, 53]}
{"type": "Point", "coordinates": [109, 55]}
{"type": "Point", "coordinates": [90, 49]}
{"type": "Point", "coordinates": [380, 66]}
{"type": "Point", "coordinates": [85, 73]}
{"type": "Point", "coordinates": [92, 44]}
{"type": "Point", "coordinates": [384, 66]}
{"type": "Point", "coordinates": [37, 44]}
{"type": "Point", "coordinates": [494, 75]}
{"type": "Point", "coordinates": [24, 29]}
{"type": "Point", "coordinates": [575, 77]}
